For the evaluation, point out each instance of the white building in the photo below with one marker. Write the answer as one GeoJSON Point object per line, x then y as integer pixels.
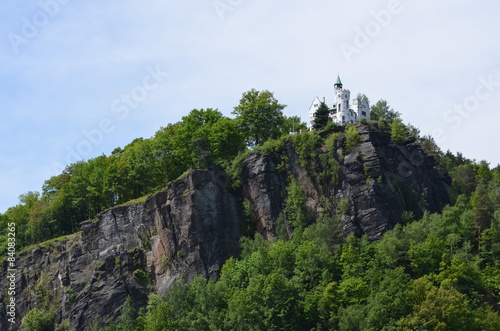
{"type": "Point", "coordinates": [341, 112]}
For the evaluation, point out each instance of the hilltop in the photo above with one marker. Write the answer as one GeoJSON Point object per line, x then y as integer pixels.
{"type": "Point", "coordinates": [361, 226]}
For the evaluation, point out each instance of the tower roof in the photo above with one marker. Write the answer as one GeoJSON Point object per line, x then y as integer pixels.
{"type": "Point", "coordinates": [339, 82]}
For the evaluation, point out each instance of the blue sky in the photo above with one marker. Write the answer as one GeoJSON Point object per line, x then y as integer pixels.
{"type": "Point", "coordinates": [79, 78]}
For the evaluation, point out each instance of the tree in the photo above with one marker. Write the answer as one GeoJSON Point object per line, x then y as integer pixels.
{"type": "Point", "coordinates": [295, 209]}
{"type": "Point", "coordinates": [293, 124]}
{"type": "Point", "coordinates": [398, 131]}
{"type": "Point", "coordinates": [321, 117]}
{"type": "Point", "coordinates": [483, 210]}
{"type": "Point", "coordinates": [159, 315]}
{"type": "Point", "coordinates": [425, 257]}
{"type": "Point", "coordinates": [259, 116]}
{"type": "Point", "coordinates": [464, 179]}
{"type": "Point", "coordinates": [37, 320]}
{"type": "Point", "coordinates": [225, 139]}
{"type": "Point", "coordinates": [382, 112]}
{"type": "Point", "coordinates": [430, 147]}
{"type": "Point", "coordinates": [129, 316]}
{"type": "Point", "coordinates": [352, 137]}
{"type": "Point", "coordinates": [362, 96]}
{"type": "Point", "coordinates": [441, 309]}
{"type": "Point", "coordinates": [202, 157]}
{"type": "Point", "coordinates": [204, 136]}
{"type": "Point", "coordinates": [391, 301]}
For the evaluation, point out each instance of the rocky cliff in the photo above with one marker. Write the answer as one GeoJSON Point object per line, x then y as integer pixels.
{"type": "Point", "coordinates": [373, 184]}
{"type": "Point", "coordinates": [189, 229]}
{"type": "Point", "coordinates": [195, 224]}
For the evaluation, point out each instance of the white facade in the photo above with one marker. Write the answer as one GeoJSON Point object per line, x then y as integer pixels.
{"type": "Point", "coordinates": [342, 112]}
{"type": "Point", "coordinates": [312, 110]}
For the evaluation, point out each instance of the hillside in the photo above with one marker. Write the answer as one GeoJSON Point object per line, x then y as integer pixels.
{"type": "Point", "coordinates": [366, 226]}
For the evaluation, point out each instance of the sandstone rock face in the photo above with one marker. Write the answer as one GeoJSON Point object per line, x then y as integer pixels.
{"type": "Point", "coordinates": [195, 224]}
{"type": "Point", "coordinates": [189, 229]}
{"type": "Point", "coordinates": [377, 180]}
{"type": "Point", "coordinates": [382, 180]}
{"type": "Point", "coordinates": [198, 224]}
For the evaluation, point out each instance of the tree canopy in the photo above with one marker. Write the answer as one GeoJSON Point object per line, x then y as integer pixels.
{"type": "Point", "coordinates": [202, 138]}
{"type": "Point", "coordinates": [381, 111]}
{"type": "Point", "coordinates": [259, 116]}
{"type": "Point", "coordinates": [321, 117]}
{"type": "Point", "coordinates": [439, 272]}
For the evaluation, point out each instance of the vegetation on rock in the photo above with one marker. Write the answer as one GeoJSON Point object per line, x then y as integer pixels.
{"type": "Point", "coordinates": [432, 271]}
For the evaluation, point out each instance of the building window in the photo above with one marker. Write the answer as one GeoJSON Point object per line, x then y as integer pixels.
{"type": "Point", "coordinates": [363, 113]}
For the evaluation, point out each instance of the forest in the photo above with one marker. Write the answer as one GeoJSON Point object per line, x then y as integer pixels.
{"type": "Point", "coordinates": [438, 272]}
{"type": "Point", "coordinates": [85, 188]}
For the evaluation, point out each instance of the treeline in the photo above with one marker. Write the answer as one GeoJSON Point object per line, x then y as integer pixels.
{"type": "Point", "coordinates": [144, 166]}
{"type": "Point", "coordinates": [441, 272]}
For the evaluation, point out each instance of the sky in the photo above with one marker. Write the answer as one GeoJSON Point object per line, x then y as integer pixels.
{"type": "Point", "coordinates": [80, 78]}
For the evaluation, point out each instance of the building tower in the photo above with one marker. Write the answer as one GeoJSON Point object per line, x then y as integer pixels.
{"type": "Point", "coordinates": [342, 113]}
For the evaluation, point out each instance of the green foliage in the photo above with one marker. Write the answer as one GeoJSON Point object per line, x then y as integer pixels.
{"type": "Point", "coordinates": [329, 175]}
{"type": "Point", "coordinates": [118, 262]}
{"type": "Point", "coordinates": [425, 256]}
{"type": "Point", "coordinates": [330, 142]}
{"type": "Point", "coordinates": [43, 291]}
{"type": "Point", "coordinates": [436, 273]}
{"type": "Point", "coordinates": [37, 320]}
{"type": "Point", "coordinates": [381, 111]}
{"type": "Point", "coordinates": [331, 126]}
{"type": "Point", "coordinates": [95, 325]}
{"type": "Point", "coordinates": [306, 144]}
{"type": "Point", "coordinates": [64, 326]}
{"type": "Point", "coordinates": [326, 231]}
{"type": "Point", "coordinates": [128, 319]}
{"type": "Point", "coordinates": [440, 309]}
{"type": "Point", "coordinates": [344, 206]}
{"type": "Point", "coordinates": [271, 146]}
{"type": "Point", "coordinates": [391, 301]}
{"type": "Point", "coordinates": [141, 276]}
{"type": "Point", "coordinates": [321, 117]}
{"type": "Point", "coordinates": [352, 138]}
{"type": "Point", "coordinates": [293, 124]}
{"type": "Point", "coordinates": [362, 96]}
{"type": "Point", "coordinates": [398, 131]}
{"type": "Point", "coordinates": [248, 219]}
{"type": "Point", "coordinates": [439, 272]}
{"type": "Point", "coordinates": [86, 188]}
{"type": "Point", "coordinates": [295, 205]}
{"type": "Point", "coordinates": [259, 116]}
{"type": "Point", "coordinates": [70, 294]}
{"type": "Point", "coordinates": [159, 316]}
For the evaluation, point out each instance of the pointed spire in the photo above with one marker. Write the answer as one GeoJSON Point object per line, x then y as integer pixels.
{"type": "Point", "coordinates": [339, 82]}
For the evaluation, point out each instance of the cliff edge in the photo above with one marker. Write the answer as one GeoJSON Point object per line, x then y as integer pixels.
{"type": "Point", "coordinates": [194, 225]}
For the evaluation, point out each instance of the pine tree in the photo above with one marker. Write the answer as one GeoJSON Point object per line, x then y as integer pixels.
{"type": "Point", "coordinates": [129, 315]}
{"type": "Point", "coordinates": [321, 116]}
